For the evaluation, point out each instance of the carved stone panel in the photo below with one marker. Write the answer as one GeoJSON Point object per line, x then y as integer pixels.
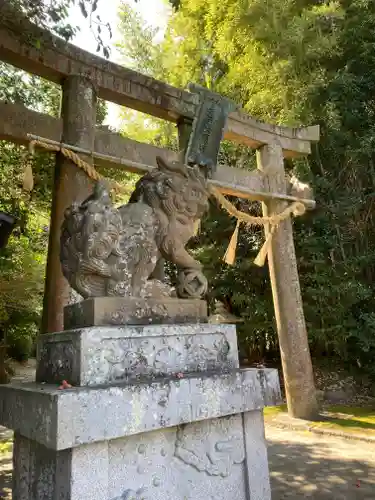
{"type": "Point", "coordinates": [124, 359]}
{"type": "Point", "coordinates": [201, 461]}
{"type": "Point", "coordinates": [215, 456]}
{"type": "Point", "coordinates": [56, 361]}
{"type": "Point", "coordinates": [117, 354]}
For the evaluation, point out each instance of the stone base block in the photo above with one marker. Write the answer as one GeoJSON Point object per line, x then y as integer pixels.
{"type": "Point", "coordinates": [218, 459]}
{"type": "Point", "coordinates": [113, 311]}
{"type": "Point", "coordinates": [100, 355]}
{"type": "Point", "coordinates": [61, 419]}
{"type": "Point", "coordinates": [196, 438]}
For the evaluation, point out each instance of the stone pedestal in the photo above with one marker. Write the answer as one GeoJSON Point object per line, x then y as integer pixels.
{"type": "Point", "coordinates": [157, 412]}
{"type": "Point", "coordinates": [117, 311]}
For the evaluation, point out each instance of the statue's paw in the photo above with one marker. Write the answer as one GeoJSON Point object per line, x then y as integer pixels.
{"type": "Point", "coordinates": [192, 284]}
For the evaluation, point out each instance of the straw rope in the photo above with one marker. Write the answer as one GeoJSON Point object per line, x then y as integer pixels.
{"type": "Point", "coordinates": [90, 170]}
{"type": "Point", "coordinates": [294, 209]}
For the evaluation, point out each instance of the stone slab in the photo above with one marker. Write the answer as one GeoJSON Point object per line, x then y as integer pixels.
{"type": "Point", "coordinates": [117, 311]}
{"type": "Point", "coordinates": [40, 473]}
{"type": "Point", "coordinates": [205, 460]}
{"type": "Point", "coordinates": [99, 355]}
{"type": "Point", "coordinates": [257, 473]}
{"type": "Point", "coordinates": [78, 416]}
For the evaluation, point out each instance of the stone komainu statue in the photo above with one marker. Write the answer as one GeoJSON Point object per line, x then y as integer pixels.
{"type": "Point", "coordinates": [109, 251]}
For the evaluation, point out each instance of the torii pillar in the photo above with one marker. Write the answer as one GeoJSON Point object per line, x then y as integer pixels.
{"type": "Point", "coordinates": [71, 184]}
{"type": "Point", "coordinates": [291, 327]}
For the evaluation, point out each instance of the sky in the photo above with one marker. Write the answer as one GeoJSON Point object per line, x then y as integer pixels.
{"type": "Point", "coordinates": [155, 13]}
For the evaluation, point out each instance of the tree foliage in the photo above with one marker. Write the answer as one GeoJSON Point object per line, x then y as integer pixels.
{"type": "Point", "coordinates": [22, 262]}
{"type": "Point", "coordinates": [54, 16]}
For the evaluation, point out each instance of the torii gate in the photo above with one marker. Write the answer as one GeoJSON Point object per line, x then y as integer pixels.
{"type": "Point", "coordinates": [83, 78]}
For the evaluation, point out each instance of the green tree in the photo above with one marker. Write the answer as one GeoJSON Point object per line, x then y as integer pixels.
{"type": "Point", "coordinates": [22, 262]}
{"type": "Point", "coordinates": [139, 52]}
{"type": "Point", "coordinates": [54, 16]}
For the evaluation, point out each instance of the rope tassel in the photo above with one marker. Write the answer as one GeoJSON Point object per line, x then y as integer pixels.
{"type": "Point", "coordinates": [296, 209]}
{"type": "Point", "coordinates": [28, 179]}
{"type": "Point", "coordinates": [230, 254]}
{"type": "Point", "coordinates": [260, 259]}
{"type": "Point", "coordinates": [28, 176]}
{"type": "Point", "coordinates": [197, 227]}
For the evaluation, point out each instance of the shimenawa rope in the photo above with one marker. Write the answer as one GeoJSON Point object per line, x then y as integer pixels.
{"type": "Point", "coordinates": [86, 167]}
{"type": "Point", "coordinates": [296, 208]}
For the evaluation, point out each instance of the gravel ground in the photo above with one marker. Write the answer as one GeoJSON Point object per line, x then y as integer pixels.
{"type": "Point", "coordinates": [306, 465]}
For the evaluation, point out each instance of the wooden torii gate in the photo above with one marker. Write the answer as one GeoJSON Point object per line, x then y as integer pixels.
{"type": "Point", "coordinates": [85, 77]}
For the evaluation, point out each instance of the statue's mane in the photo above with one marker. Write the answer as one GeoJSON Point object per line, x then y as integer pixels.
{"type": "Point", "coordinates": [174, 188]}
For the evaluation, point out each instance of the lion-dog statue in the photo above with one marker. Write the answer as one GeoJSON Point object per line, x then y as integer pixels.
{"type": "Point", "coordinates": [109, 251]}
